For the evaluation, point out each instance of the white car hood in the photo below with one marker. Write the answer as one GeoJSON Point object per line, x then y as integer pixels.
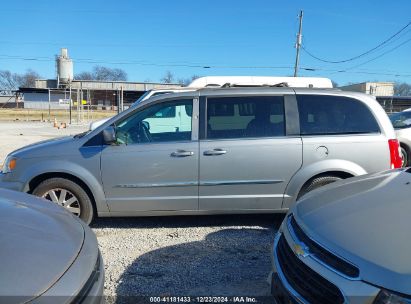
{"type": "Point", "coordinates": [366, 220]}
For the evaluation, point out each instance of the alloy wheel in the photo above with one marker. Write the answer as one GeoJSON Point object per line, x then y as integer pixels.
{"type": "Point", "coordinates": [64, 198]}
{"type": "Point", "coordinates": [404, 157]}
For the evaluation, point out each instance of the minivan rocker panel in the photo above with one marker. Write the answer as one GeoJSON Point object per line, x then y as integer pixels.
{"type": "Point", "coordinates": [224, 150]}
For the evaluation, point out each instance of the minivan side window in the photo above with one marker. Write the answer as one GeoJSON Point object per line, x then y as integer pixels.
{"type": "Point", "coordinates": [163, 122]}
{"type": "Point", "coordinates": [245, 117]}
{"type": "Point", "coordinates": [322, 114]}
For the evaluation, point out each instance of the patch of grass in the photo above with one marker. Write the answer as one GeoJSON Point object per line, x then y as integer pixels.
{"type": "Point", "coordinates": [60, 115]}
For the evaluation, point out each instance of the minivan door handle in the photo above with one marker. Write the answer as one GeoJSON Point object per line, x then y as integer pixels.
{"type": "Point", "coordinates": [214, 152]}
{"type": "Point", "coordinates": [182, 153]}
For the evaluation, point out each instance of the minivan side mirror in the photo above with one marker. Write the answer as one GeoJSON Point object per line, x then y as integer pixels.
{"type": "Point", "coordinates": [109, 135]}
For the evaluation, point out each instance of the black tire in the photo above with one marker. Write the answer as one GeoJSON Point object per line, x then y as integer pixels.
{"type": "Point", "coordinates": [404, 155]}
{"type": "Point", "coordinates": [317, 183]}
{"type": "Point", "coordinates": [85, 205]}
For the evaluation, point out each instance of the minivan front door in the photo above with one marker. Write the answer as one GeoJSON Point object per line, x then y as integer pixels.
{"type": "Point", "coordinates": [246, 159]}
{"type": "Point", "coordinates": [154, 166]}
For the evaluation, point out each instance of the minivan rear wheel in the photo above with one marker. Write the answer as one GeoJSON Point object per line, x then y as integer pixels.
{"type": "Point", "coordinates": [317, 182]}
{"type": "Point", "coordinates": [404, 156]}
{"type": "Point", "coordinates": [67, 194]}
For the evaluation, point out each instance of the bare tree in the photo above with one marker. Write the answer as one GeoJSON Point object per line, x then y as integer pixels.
{"type": "Point", "coordinates": [103, 74]}
{"type": "Point", "coordinates": [168, 77]}
{"type": "Point", "coordinates": [9, 81]}
{"type": "Point", "coordinates": [84, 76]}
{"type": "Point", "coordinates": [28, 79]}
{"type": "Point", "coordinates": [12, 81]}
{"type": "Point", "coordinates": [402, 89]}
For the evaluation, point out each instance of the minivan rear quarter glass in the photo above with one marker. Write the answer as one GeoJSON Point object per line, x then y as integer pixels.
{"type": "Point", "coordinates": [324, 114]}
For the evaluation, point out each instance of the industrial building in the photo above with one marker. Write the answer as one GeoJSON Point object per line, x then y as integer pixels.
{"type": "Point", "coordinates": [384, 93]}
{"type": "Point", "coordinates": [372, 88]}
{"type": "Point", "coordinates": [99, 95]}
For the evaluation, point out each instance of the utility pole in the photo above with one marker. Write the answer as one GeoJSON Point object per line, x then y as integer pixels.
{"type": "Point", "coordinates": [122, 99]}
{"type": "Point", "coordinates": [298, 44]}
{"type": "Point", "coordinates": [70, 103]}
{"type": "Point", "coordinates": [49, 106]}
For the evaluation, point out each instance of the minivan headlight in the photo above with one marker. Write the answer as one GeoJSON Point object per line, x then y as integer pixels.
{"type": "Point", "coordinates": [9, 164]}
{"type": "Point", "coordinates": [387, 297]}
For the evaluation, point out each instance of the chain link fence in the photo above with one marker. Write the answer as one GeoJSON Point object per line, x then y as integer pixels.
{"type": "Point", "coordinates": [61, 105]}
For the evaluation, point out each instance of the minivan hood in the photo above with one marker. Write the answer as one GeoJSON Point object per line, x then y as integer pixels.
{"type": "Point", "coordinates": [39, 242]}
{"type": "Point", "coordinates": [38, 148]}
{"type": "Point", "coordinates": [366, 220]}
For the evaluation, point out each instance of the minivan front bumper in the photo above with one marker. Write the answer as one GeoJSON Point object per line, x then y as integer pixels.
{"type": "Point", "coordinates": [10, 185]}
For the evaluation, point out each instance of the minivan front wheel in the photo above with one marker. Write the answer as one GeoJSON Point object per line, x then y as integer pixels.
{"type": "Point", "coordinates": [67, 194]}
{"type": "Point", "coordinates": [317, 182]}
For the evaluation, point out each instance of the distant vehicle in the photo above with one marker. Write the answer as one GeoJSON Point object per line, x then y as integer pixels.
{"type": "Point", "coordinates": [347, 242]}
{"type": "Point", "coordinates": [249, 81]}
{"type": "Point", "coordinates": [402, 125]}
{"type": "Point", "coordinates": [47, 255]}
{"type": "Point", "coordinates": [230, 149]}
{"type": "Point", "coordinates": [145, 96]}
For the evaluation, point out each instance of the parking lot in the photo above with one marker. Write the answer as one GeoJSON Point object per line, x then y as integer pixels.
{"type": "Point", "coordinates": [16, 134]}
{"type": "Point", "coordinates": [193, 255]}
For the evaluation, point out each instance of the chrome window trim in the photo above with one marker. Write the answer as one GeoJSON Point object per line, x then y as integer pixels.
{"type": "Point", "coordinates": [243, 196]}
{"type": "Point", "coordinates": [195, 183]}
{"type": "Point", "coordinates": [240, 182]}
{"type": "Point", "coordinates": [251, 138]}
{"type": "Point", "coordinates": [155, 185]}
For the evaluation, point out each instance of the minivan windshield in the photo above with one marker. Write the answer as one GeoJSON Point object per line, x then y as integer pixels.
{"type": "Point", "coordinates": [401, 120]}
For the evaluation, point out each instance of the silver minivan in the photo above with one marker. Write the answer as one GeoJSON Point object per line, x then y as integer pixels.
{"type": "Point", "coordinates": [227, 150]}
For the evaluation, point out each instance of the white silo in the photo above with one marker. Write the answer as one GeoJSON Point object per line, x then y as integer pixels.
{"type": "Point", "coordinates": [64, 68]}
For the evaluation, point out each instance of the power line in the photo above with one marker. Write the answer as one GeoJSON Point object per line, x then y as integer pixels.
{"type": "Point", "coordinates": [362, 54]}
{"type": "Point", "coordinates": [145, 63]}
{"type": "Point", "coordinates": [375, 58]}
{"type": "Point", "coordinates": [310, 69]}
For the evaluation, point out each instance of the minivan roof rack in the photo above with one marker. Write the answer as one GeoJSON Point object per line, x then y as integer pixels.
{"type": "Point", "coordinates": [261, 81]}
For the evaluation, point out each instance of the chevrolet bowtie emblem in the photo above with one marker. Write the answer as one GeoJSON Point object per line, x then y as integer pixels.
{"type": "Point", "coordinates": [300, 250]}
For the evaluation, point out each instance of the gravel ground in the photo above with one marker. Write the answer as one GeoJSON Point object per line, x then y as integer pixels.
{"type": "Point", "coordinates": [180, 256]}
{"type": "Point", "coordinates": [16, 134]}
{"type": "Point", "coordinates": [187, 256]}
